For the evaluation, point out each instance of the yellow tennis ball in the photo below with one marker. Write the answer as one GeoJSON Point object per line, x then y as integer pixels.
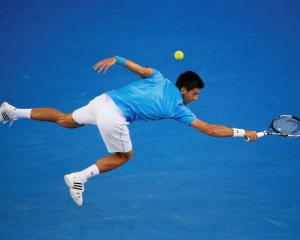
{"type": "Point", "coordinates": [178, 55]}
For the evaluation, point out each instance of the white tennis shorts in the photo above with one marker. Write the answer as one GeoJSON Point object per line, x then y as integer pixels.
{"type": "Point", "coordinates": [103, 112]}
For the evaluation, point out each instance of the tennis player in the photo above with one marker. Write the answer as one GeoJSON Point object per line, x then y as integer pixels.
{"type": "Point", "coordinates": [152, 98]}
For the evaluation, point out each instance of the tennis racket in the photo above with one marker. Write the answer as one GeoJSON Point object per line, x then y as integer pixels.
{"type": "Point", "coordinates": [284, 126]}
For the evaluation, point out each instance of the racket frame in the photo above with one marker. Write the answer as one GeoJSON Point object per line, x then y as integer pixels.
{"type": "Point", "coordinates": [276, 132]}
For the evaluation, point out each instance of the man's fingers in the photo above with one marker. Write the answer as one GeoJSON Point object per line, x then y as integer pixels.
{"type": "Point", "coordinates": [97, 65]}
{"type": "Point", "coordinates": [253, 137]}
{"type": "Point", "coordinates": [106, 68]}
{"type": "Point", "coordinates": [101, 68]}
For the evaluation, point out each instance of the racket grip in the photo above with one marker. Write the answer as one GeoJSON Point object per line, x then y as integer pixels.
{"type": "Point", "coordinates": [259, 135]}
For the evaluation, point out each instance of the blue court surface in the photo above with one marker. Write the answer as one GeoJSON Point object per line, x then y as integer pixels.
{"type": "Point", "coordinates": [180, 183]}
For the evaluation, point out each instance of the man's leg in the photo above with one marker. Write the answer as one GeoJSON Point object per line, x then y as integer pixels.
{"type": "Point", "coordinates": [11, 113]}
{"type": "Point", "coordinates": [115, 134]}
{"type": "Point", "coordinates": [105, 164]}
{"type": "Point", "coordinates": [55, 116]}
{"type": "Point", "coordinates": [76, 181]}
{"type": "Point", "coordinates": [111, 162]}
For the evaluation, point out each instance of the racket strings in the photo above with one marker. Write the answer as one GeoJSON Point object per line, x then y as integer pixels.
{"type": "Point", "coordinates": [289, 126]}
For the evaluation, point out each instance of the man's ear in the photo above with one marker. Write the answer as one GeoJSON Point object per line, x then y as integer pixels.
{"type": "Point", "coordinates": [183, 90]}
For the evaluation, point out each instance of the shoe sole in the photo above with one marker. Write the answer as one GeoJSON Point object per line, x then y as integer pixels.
{"type": "Point", "coordinates": [75, 199]}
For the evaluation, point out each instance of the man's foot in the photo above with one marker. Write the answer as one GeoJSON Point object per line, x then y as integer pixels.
{"type": "Point", "coordinates": [7, 112]}
{"type": "Point", "coordinates": [76, 187]}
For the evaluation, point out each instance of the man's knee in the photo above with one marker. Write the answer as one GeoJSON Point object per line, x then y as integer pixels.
{"type": "Point", "coordinates": [67, 121]}
{"type": "Point", "coordinates": [126, 155]}
{"type": "Point", "coordinates": [129, 154]}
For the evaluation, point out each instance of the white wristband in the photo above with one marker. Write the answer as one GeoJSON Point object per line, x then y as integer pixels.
{"type": "Point", "coordinates": [238, 132]}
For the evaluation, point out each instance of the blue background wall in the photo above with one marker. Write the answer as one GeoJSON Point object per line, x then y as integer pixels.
{"type": "Point", "coordinates": [180, 184]}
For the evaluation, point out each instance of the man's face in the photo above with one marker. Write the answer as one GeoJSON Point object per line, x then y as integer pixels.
{"type": "Point", "coordinates": [189, 96]}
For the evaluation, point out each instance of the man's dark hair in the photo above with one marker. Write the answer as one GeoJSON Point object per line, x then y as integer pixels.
{"type": "Point", "coordinates": [189, 80]}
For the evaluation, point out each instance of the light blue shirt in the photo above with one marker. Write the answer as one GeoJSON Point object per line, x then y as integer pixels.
{"type": "Point", "coordinates": [150, 99]}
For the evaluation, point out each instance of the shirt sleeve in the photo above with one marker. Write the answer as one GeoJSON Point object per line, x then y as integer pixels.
{"type": "Point", "coordinates": [155, 76]}
{"type": "Point", "coordinates": [184, 114]}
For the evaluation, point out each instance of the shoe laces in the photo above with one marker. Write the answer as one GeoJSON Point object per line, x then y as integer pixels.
{"type": "Point", "coordinates": [10, 122]}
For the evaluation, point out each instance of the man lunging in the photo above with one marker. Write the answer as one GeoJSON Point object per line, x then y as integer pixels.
{"type": "Point", "coordinates": [153, 97]}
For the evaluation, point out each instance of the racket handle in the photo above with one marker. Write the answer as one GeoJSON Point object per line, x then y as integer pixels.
{"type": "Point", "coordinates": [259, 135]}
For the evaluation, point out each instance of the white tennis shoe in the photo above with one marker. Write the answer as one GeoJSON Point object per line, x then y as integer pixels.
{"type": "Point", "coordinates": [7, 112]}
{"type": "Point", "coordinates": [76, 187]}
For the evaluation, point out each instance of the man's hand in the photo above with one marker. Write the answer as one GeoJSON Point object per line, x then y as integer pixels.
{"type": "Point", "coordinates": [104, 65]}
{"type": "Point", "coordinates": [250, 135]}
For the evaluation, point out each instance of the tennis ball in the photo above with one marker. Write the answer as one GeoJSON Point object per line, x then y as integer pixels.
{"type": "Point", "coordinates": [178, 55]}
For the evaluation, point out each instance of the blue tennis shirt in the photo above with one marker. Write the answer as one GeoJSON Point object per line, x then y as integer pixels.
{"type": "Point", "coordinates": [150, 99]}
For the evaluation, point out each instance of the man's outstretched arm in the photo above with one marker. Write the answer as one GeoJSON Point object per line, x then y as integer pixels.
{"type": "Point", "coordinates": [105, 64]}
{"type": "Point", "coordinates": [222, 131]}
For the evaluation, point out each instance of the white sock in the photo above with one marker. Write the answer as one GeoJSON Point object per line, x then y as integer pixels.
{"type": "Point", "coordinates": [89, 172]}
{"type": "Point", "coordinates": [22, 113]}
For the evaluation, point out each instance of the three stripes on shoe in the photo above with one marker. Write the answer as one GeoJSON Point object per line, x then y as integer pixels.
{"type": "Point", "coordinates": [77, 185]}
{"type": "Point", "coordinates": [5, 117]}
